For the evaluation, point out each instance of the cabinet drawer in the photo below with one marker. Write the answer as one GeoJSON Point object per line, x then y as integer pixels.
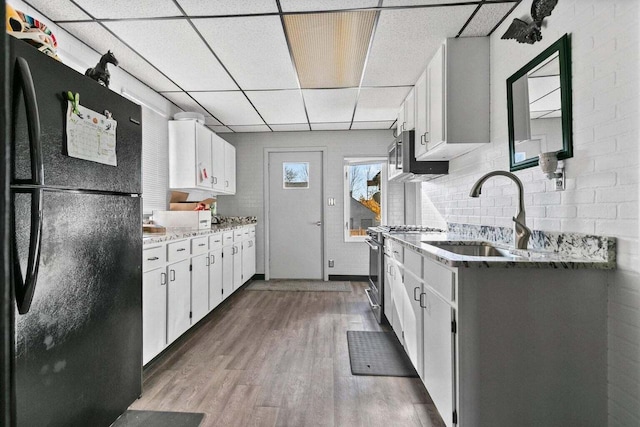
{"type": "Point", "coordinates": [227, 238]}
{"type": "Point", "coordinates": [413, 263]}
{"type": "Point", "coordinates": [440, 278]}
{"type": "Point", "coordinates": [199, 245]}
{"type": "Point", "coordinates": [215, 241]}
{"type": "Point", "coordinates": [177, 250]}
{"type": "Point", "coordinates": [397, 252]}
{"type": "Point", "coordinates": [239, 234]}
{"type": "Point", "coordinates": [252, 232]}
{"type": "Point", "coordinates": [153, 258]}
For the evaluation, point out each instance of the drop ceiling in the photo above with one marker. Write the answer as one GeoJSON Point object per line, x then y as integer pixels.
{"type": "Point", "coordinates": [277, 65]}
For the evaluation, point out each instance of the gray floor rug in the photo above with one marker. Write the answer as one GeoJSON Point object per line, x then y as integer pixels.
{"type": "Point", "coordinates": [158, 419]}
{"type": "Point", "coordinates": [300, 286]}
{"type": "Point", "coordinates": [379, 354]}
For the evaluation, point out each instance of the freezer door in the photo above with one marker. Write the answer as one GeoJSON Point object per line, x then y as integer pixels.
{"type": "Point", "coordinates": [52, 80]}
{"type": "Point", "coordinates": [79, 347]}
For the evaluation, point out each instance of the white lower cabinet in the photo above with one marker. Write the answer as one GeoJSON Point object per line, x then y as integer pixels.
{"type": "Point", "coordinates": [178, 299]}
{"type": "Point", "coordinates": [154, 313]}
{"type": "Point", "coordinates": [227, 271]}
{"type": "Point", "coordinates": [248, 259]}
{"type": "Point", "coordinates": [199, 287]}
{"type": "Point", "coordinates": [237, 265]}
{"type": "Point", "coordinates": [215, 278]}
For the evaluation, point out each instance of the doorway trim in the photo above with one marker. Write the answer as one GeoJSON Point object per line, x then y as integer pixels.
{"type": "Point", "coordinates": [325, 172]}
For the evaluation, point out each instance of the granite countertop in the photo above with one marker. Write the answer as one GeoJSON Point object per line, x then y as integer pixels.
{"type": "Point", "coordinates": [178, 233]}
{"type": "Point", "coordinates": [518, 258]}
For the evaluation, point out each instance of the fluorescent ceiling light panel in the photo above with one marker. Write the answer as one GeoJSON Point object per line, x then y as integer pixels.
{"type": "Point", "coordinates": [387, 3]}
{"type": "Point", "coordinates": [186, 103]}
{"type": "Point", "coordinates": [330, 105]}
{"type": "Point", "coordinates": [232, 108]}
{"type": "Point", "coordinates": [486, 19]}
{"type": "Point", "coordinates": [290, 127]}
{"type": "Point", "coordinates": [372, 125]}
{"type": "Point", "coordinates": [380, 103]}
{"type": "Point", "coordinates": [253, 49]}
{"type": "Point", "coordinates": [56, 10]}
{"type": "Point", "coordinates": [279, 106]}
{"type": "Point", "coordinates": [317, 5]}
{"type": "Point", "coordinates": [96, 36]}
{"type": "Point", "coordinates": [330, 49]}
{"type": "Point", "coordinates": [405, 39]}
{"type": "Point", "coordinates": [330, 126]}
{"type": "Point", "coordinates": [227, 7]}
{"type": "Point", "coordinates": [129, 9]}
{"type": "Point", "coordinates": [177, 50]}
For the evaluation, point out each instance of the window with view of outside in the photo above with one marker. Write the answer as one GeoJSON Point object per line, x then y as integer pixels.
{"type": "Point", "coordinates": [295, 175]}
{"type": "Point", "coordinates": [363, 198]}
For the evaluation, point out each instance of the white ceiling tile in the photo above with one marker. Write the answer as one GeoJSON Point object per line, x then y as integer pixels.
{"type": "Point", "coordinates": [130, 9]}
{"type": "Point", "coordinates": [185, 102]}
{"type": "Point", "coordinates": [180, 54]}
{"type": "Point", "coordinates": [251, 128]}
{"type": "Point", "coordinates": [253, 49]}
{"type": "Point", "coordinates": [279, 106]}
{"type": "Point", "coordinates": [299, 6]}
{"type": "Point", "coordinates": [57, 10]}
{"type": "Point", "coordinates": [387, 3]}
{"type": "Point", "coordinates": [290, 127]}
{"type": "Point", "coordinates": [398, 57]}
{"type": "Point", "coordinates": [227, 7]}
{"type": "Point", "coordinates": [211, 121]}
{"type": "Point", "coordinates": [380, 103]}
{"type": "Point", "coordinates": [220, 129]}
{"type": "Point", "coordinates": [372, 125]}
{"type": "Point", "coordinates": [486, 19]}
{"type": "Point", "coordinates": [330, 105]}
{"type": "Point", "coordinates": [331, 126]}
{"type": "Point", "coordinates": [96, 36]}
{"type": "Point", "coordinates": [232, 108]}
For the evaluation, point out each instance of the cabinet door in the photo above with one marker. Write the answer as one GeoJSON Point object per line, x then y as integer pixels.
{"type": "Point", "coordinates": [412, 321]}
{"type": "Point", "coordinates": [248, 259]}
{"type": "Point", "coordinates": [230, 169]}
{"type": "Point", "coordinates": [387, 290]}
{"type": "Point", "coordinates": [397, 291]}
{"type": "Point", "coordinates": [199, 287]}
{"type": "Point", "coordinates": [154, 313]}
{"type": "Point", "coordinates": [203, 157]}
{"type": "Point", "coordinates": [400, 124]}
{"type": "Point", "coordinates": [178, 299]}
{"type": "Point", "coordinates": [436, 99]}
{"type": "Point", "coordinates": [217, 162]}
{"type": "Point", "coordinates": [237, 266]}
{"type": "Point", "coordinates": [409, 110]}
{"type": "Point", "coordinates": [439, 353]}
{"type": "Point", "coordinates": [227, 271]}
{"type": "Point", "coordinates": [421, 115]}
{"type": "Point", "coordinates": [215, 278]}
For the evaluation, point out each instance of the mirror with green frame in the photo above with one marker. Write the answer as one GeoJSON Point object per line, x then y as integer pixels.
{"type": "Point", "coordinates": [539, 107]}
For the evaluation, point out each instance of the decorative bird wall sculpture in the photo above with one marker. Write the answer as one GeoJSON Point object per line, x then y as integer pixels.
{"type": "Point", "coordinates": [530, 33]}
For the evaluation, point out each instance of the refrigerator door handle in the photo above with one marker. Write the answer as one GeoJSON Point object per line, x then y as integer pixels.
{"type": "Point", "coordinates": [24, 290]}
{"type": "Point", "coordinates": [24, 82]}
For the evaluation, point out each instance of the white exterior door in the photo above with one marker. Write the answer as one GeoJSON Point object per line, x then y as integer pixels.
{"type": "Point", "coordinates": [295, 215]}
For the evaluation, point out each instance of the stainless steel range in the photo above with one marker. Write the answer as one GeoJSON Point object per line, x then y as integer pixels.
{"type": "Point", "coordinates": [375, 240]}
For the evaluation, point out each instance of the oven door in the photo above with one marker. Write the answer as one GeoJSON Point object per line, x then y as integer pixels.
{"type": "Point", "coordinates": [374, 293]}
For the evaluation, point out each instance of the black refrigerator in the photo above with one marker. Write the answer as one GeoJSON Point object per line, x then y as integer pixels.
{"type": "Point", "coordinates": [76, 252]}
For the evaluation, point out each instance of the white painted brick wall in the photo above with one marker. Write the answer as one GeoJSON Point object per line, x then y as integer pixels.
{"type": "Point", "coordinates": [602, 177]}
{"type": "Point", "coordinates": [350, 258]}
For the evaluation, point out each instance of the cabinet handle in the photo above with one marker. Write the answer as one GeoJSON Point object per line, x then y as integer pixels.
{"type": "Point", "coordinates": [217, 241]}
{"type": "Point", "coordinates": [422, 299]}
{"type": "Point", "coordinates": [153, 258]}
{"type": "Point", "coordinates": [423, 139]}
{"type": "Point", "coordinates": [215, 180]}
{"type": "Point", "coordinates": [201, 244]}
{"type": "Point", "coordinates": [417, 288]}
{"type": "Point", "coordinates": [212, 259]}
{"type": "Point", "coordinates": [172, 275]}
{"type": "Point", "coordinates": [163, 279]}
{"type": "Point", "coordinates": [226, 183]}
{"type": "Point", "coordinates": [206, 262]}
{"type": "Point", "coordinates": [180, 249]}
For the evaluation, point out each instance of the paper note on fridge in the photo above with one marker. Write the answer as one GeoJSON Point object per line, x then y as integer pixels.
{"type": "Point", "coordinates": [91, 136]}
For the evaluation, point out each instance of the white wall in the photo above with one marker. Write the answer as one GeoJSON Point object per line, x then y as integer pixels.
{"type": "Point", "coordinates": [602, 185]}
{"type": "Point", "coordinates": [350, 258]}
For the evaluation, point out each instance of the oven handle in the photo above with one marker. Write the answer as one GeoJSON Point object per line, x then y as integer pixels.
{"type": "Point", "coordinates": [373, 246]}
{"type": "Point", "coordinates": [368, 291]}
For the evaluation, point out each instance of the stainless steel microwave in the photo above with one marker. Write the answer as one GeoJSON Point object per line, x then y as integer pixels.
{"type": "Point", "coordinates": [403, 165]}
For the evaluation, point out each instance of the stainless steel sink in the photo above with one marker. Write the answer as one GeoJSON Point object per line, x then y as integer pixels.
{"type": "Point", "coordinates": [471, 248]}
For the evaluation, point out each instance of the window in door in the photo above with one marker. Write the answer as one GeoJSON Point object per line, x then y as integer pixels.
{"type": "Point", "coordinates": [295, 175]}
{"type": "Point", "coordinates": [365, 196]}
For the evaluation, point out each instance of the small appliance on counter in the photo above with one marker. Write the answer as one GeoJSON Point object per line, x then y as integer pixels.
{"type": "Point", "coordinates": [200, 220]}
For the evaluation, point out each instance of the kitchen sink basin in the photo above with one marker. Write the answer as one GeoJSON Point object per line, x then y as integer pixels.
{"type": "Point", "coordinates": [471, 249]}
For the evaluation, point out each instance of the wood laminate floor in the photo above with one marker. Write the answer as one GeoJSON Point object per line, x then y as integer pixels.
{"type": "Point", "coordinates": [270, 358]}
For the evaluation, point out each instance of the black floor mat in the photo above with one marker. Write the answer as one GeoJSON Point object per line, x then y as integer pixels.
{"type": "Point", "coordinates": [378, 353]}
{"type": "Point", "coordinates": [158, 419]}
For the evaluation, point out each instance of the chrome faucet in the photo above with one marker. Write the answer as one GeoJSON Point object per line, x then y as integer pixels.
{"type": "Point", "coordinates": [521, 232]}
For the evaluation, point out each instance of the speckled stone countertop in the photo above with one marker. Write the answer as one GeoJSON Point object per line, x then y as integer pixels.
{"type": "Point", "coordinates": [178, 233]}
{"type": "Point", "coordinates": [517, 258]}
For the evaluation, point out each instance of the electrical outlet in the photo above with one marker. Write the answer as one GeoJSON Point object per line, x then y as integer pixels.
{"type": "Point", "coordinates": [331, 263]}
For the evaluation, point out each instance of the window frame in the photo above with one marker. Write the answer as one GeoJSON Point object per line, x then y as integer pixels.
{"type": "Point", "coordinates": [354, 161]}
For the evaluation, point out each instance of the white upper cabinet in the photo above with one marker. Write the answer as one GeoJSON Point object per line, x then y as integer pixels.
{"type": "Point", "coordinates": [453, 113]}
{"type": "Point", "coordinates": [400, 121]}
{"type": "Point", "coordinates": [409, 111]}
{"type": "Point", "coordinates": [199, 159]}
